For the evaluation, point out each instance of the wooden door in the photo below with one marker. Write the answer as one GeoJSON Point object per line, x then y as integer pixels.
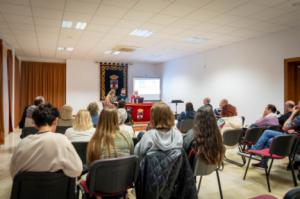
{"type": "Point", "coordinates": [292, 79]}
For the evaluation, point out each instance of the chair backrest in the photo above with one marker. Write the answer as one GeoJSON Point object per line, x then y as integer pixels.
{"type": "Point", "coordinates": [253, 134]}
{"type": "Point", "coordinates": [112, 176]}
{"type": "Point", "coordinates": [81, 148]}
{"type": "Point", "coordinates": [282, 145]}
{"type": "Point", "coordinates": [186, 125]}
{"type": "Point", "coordinates": [232, 137]}
{"type": "Point", "coordinates": [28, 131]}
{"type": "Point", "coordinates": [62, 129]}
{"type": "Point", "coordinates": [202, 168]}
{"type": "Point", "coordinates": [43, 185]}
{"type": "Point", "coordinates": [292, 194]}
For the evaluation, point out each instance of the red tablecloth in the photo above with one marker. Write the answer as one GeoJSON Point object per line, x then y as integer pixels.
{"type": "Point", "coordinates": [140, 111]}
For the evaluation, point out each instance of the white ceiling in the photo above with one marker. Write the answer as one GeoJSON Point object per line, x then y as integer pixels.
{"type": "Point", "coordinates": [33, 27]}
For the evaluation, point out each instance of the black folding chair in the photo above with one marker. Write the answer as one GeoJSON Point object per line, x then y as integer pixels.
{"type": "Point", "coordinates": [232, 138]}
{"type": "Point", "coordinates": [281, 147]}
{"type": "Point", "coordinates": [43, 185]}
{"type": "Point", "coordinates": [186, 125]}
{"type": "Point", "coordinates": [81, 148]}
{"type": "Point", "coordinates": [62, 129]}
{"type": "Point", "coordinates": [28, 131]}
{"type": "Point", "coordinates": [110, 177]}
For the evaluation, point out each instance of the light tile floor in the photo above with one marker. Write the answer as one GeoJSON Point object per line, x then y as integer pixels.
{"type": "Point", "coordinates": [231, 177]}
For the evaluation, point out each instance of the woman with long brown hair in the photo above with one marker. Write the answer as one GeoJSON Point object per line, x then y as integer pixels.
{"type": "Point", "coordinates": [108, 141]}
{"type": "Point", "coordinates": [205, 139]}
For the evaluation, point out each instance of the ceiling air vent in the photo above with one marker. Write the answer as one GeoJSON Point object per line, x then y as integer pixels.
{"type": "Point", "coordinates": [125, 49]}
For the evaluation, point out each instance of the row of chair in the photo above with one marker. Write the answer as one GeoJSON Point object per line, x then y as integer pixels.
{"type": "Point", "coordinates": [32, 130]}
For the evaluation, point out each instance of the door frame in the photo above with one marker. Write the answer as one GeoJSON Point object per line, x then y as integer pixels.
{"type": "Point", "coordinates": [286, 78]}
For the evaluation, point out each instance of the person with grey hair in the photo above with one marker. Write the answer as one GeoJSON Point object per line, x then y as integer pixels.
{"type": "Point", "coordinates": [26, 120]}
{"type": "Point", "coordinates": [206, 101]}
{"type": "Point", "coordinates": [122, 117]}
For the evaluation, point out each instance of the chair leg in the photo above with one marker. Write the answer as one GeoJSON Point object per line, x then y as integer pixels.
{"type": "Point", "coordinates": [293, 172]}
{"type": "Point", "coordinates": [200, 180]}
{"type": "Point", "coordinates": [247, 167]}
{"type": "Point", "coordinates": [267, 177]}
{"type": "Point", "coordinates": [271, 164]}
{"type": "Point", "coordinates": [219, 183]}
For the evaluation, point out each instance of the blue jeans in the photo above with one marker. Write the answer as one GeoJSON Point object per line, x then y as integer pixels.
{"type": "Point", "coordinates": [265, 139]}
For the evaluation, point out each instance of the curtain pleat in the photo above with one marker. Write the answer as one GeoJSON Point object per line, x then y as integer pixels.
{"type": "Point", "coordinates": [17, 93]}
{"type": "Point", "coordinates": [10, 90]}
{"type": "Point", "coordinates": [43, 79]}
{"type": "Point", "coordinates": [1, 95]}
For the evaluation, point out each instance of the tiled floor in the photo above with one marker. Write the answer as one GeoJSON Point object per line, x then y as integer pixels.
{"type": "Point", "coordinates": [231, 178]}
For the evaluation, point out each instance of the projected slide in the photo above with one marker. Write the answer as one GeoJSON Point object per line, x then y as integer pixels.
{"type": "Point", "coordinates": [149, 88]}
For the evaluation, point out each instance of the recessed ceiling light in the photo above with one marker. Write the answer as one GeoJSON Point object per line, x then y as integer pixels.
{"type": "Point", "coordinates": [67, 24]}
{"type": "Point", "coordinates": [60, 48]}
{"type": "Point", "coordinates": [107, 52]}
{"type": "Point", "coordinates": [116, 52]}
{"type": "Point", "coordinates": [141, 33]}
{"type": "Point", "coordinates": [70, 49]}
{"type": "Point", "coordinates": [196, 40]}
{"type": "Point", "coordinates": [80, 25]}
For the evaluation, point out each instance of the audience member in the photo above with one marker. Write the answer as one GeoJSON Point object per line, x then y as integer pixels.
{"type": "Point", "coordinates": [229, 119]}
{"type": "Point", "coordinates": [205, 140]}
{"type": "Point", "coordinates": [122, 96]}
{"type": "Point", "coordinates": [269, 117]}
{"type": "Point", "coordinates": [66, 116]}
{"type": "Point", "coordinates": [108, 141]}
{"type": "Point", "coordinates": [122, 117]}
{"type": "Point", "coordinates": [46, 151]}
{"type": "Point", "coordinates": [206, 101]}
{"type": "Point", "coordinates": [291, 125]}
{"type": "Point", "coordinates": [111, 98]}
{"type": "Point", "coordinates": [93, 108]}
{"type": "Point", "coordinates": [164, 135]}
{"type": "Point", "coordinates": [217, 111]}
{"type": "Point", "coordinates": [189, 113]}
{"type": "Point", "coordinates": [82, 129]}
{"type": "Point", "coordinates": [288, 108]}
{"type": "Point", "coordinates": [26, 120]}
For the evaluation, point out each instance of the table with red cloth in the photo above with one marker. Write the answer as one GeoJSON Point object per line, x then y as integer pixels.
{"type": "Point", "coordinates": [140, 112]}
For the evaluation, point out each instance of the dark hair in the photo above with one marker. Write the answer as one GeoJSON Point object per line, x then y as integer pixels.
{"type": "Point", "coordinates": [189, 107]}
{"type": "Point", "coordinates": [228, 111]}
{"type": "Point", "coordinates": [44, 114]}
{"type": "Point", "coordinates": [121, 104]}
{"type": "Point", "coordinates": [208, 142]}
{"type": "Point", "coordinates": [38, 102]}
{"type": "Point", "coordinates": [272, 108]}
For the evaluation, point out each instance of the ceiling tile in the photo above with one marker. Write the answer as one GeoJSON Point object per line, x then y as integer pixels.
{"type": "Point", "coordinates": [135, 15]}
{"type": "Point", "coordinates": [20, 27]}
{"type": "Point", "coordinates": [163, 19]}
{"type": "Point", "coordinates": [16, 2]}
{"type": "Point", "coordinates": [153, 5]}
{"type": "Point", "coordinates": [111, 11]}
{"type": "Point", "coordinates": [129, 24]}
{"type": "Point", "coordinates": [81, 7]}
{"type": "Point", "coordinates": [75, 17]}
{"type": "Point", "coordinates": [202, 15]}
{"type": "Point", "coordinates": [120, 3]}
{"type": "Point", "coordinates": [47, 13]}
{"type": "Point", "coordinates": [224, 5]}
{"type": "Point", "coordinates": [178, 10]}
{"type": "Point", "coordinates": [104, 21]}
{"type": "Point", "coordinates": [55, 4]}
{"type": "Point", "coordinates": [247, 9]}
{"type": "Point", "coordinates": [47, 22]}
{"type": "Point", "coordinates": [15, 9]}
{"type": "Point", "coordinates": [18, 19]}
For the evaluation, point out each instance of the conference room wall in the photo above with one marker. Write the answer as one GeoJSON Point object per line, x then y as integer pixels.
{"type": "Point", "coordinates": [83, 80]}
{"type": "Point", "coordinates": [249, 74]}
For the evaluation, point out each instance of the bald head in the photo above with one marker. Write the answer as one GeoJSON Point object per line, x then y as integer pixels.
{"type": "Point", "coordinates": [222, 103]}
{"type": "Point", "coordinates": [206, 101]}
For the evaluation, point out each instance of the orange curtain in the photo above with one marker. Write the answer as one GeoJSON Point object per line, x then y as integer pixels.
{"type": "Point", "coordinates": [17, 93]}
{"type": "Point", "coordinates": [43, 79]}
{"type": "Point", "coordinates": [1, 95]}
{"type": "Point", "coordinates": [10, 94]}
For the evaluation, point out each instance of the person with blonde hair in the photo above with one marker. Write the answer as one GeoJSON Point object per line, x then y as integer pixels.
{"type": "Point", "coordinates": [163, 134]}
{"type": "Point", "coordinates": [66, 116]}
{"type": "Point", "coordinates": [93, 108]}
{"type": "Point", "coordinates": [82, 129]}
{"type": "Point", "coordinates": [111, 98]}
{"type": "Point", "coordinates": [108, 141]}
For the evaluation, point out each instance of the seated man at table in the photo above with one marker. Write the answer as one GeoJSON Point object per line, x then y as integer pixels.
{"type": "Point", "coordinates": [122, 96]}
{"type": "Point", "coordinates": [292, 125]}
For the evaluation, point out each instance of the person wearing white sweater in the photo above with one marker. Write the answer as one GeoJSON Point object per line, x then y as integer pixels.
{"type": "Point", "coordinates": [46, 151]}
